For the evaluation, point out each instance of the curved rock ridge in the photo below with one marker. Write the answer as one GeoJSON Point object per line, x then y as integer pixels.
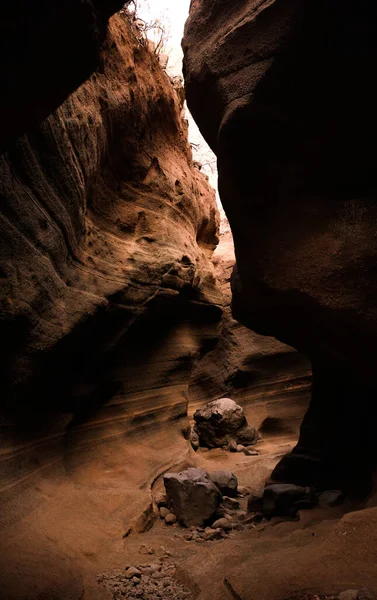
{"type": "Point", "coordinates": [281, 90]}
{"type": "Point", "coordinates": [103, 215]}
{"type": "Point", "coordinates": [108, 297]}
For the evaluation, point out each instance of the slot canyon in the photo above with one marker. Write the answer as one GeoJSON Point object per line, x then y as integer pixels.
{"type": "Point", "coordinates": [187, 394]}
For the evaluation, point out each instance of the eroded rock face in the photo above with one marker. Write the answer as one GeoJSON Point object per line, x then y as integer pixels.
{"type": "Point", "coordinates": [108, 296]}
{"type": "Point", "coordinates": [293, 138]}
{"type": "Point", "coordinates": [103, 215]}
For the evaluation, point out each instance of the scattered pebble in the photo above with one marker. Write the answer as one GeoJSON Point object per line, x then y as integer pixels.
{"type": "Point", "coordinates": [132, 572]}
{"type": "Point", "coordinates": [160, 584]}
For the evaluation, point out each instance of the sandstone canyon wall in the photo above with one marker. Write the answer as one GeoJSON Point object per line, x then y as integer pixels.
{"type": "Point", "coordinates": [283, 93]}
{"type": "Point", "coordinates": [115, 315]}
{"type": "Point", "coordinates": [108, 296]}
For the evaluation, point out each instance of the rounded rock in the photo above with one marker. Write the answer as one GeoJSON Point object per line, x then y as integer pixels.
{"type": "Point", "coordinates": [170, 519]}
{"type": "Point", "coordinates": [225, 524]}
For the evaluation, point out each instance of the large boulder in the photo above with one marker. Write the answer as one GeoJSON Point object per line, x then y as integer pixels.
{"type": "Point", "coordinates": [221, 421]}
{"type": "Point", "coordinates": [297, 179]}
{"type": "Point", "coordinates": [194, 497]}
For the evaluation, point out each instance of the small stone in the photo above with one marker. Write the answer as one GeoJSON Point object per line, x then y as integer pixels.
{"type": "Point", "coordinates": [348, 595]}
{"type": "Point", "coordinates": [232, 446]}
{"type": "Point", "coordinates": [240, 448]}
{"type": "Point", "coordinates": [212, 534]}
{"type": "Point", "coordinates": [164, 512]}
{"type": "Point", "coordinates": [248, 452]}
{"type": "Point", "coordinates": [132, 572]}
{"type": "Point", "coordinates": [194, 439]}
{"type": "Point", "coordinates": [365, 594]}
{"type": "Point", "coordinates": [230, 503]}
{"type": "Point", "coordinates": [225, 524]}
{"type": "Point", "coordinates": [330, 498]}
{"type": "Point", "coordinates": [143, 549]}
{"type": "Point", "coordinates": [243, 490]}
{"type": "Point", "coordinates": [135, 580]}
{"type": "Point", "coordinates": [157, 575]}
{"type": "Point", "coordinates": [170, 519]}
{"type": "Point", "coordinates": [242, 515]}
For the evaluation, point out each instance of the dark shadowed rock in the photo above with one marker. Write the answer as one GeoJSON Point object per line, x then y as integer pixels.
{"type": "Point", "coordinates": [284, 499]}
{"type": "Point", "coordinates": [254, 504]}
{"type": "Point", "coordinates": [348, 595]}
{"type": "Point", "coordinates": [67, 35]}
{"type": "Point", "coordinates": [226, 481]}
{"type": "Point", "coordinates": [247, 435]}
{"type": "Point", "coordinates": [193, 496]}
{"type": "Point", "coordinates": [330, 498]}
{"type": "Point", "coordinates": [106, 234]}
{"type": "Point", "coordinates": [365, 594]}
{"type": "Point", "coordinates": [301, 201]}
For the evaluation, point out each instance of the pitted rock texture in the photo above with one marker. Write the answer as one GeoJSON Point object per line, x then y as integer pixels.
{"type": "Point", "coordinates": [108, 298]}
{"type": "Point", "coordinates": [269, 84]}
{"type": "Point", "coordinates": [102, 216]}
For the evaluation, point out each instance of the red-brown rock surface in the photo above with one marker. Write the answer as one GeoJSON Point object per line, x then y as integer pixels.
{"type": "Point", "coordinates": [108, 294]}
{"type": "Point", "coordinates": [282, 91]}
